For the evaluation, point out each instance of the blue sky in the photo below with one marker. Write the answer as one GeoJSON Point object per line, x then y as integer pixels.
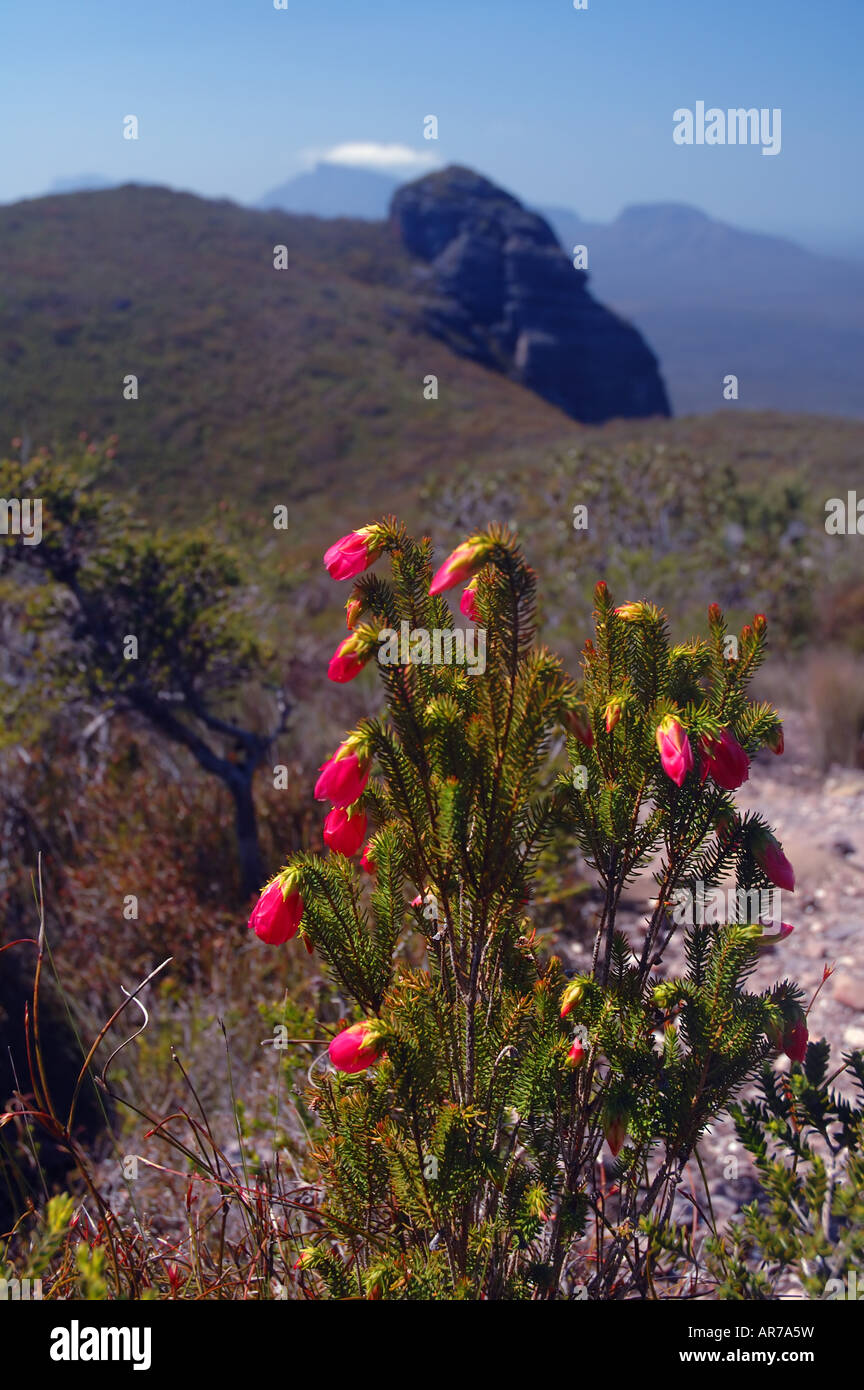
{"type": "Point", "coordinates": [561, 106]}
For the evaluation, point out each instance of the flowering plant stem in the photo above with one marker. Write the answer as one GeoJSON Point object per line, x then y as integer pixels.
{"type": "Point", "coordinates": [463, 1121]}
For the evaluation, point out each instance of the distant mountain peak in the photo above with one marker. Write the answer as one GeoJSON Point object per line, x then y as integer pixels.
{"type": "Point", "coordinates": [82, 183]}
{"type": "Point", "coordinates": [667, 213]}
{"type": "Point", "coordinates": [334, 190]}
{"type": "Point", "coordinates": [714, 298]}
{"type": "Point", "coordinates": [433, 210]}
{"type": "Point", "coordinates": [501, 291]}
{"type": "Point", "coordinates": [460, 182]}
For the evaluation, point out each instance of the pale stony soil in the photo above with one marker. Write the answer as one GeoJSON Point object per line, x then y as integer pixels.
{"type": "Point", "coordinates": [820, 820]}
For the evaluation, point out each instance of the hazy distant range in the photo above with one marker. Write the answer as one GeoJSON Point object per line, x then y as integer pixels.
{"type": "Point", "coordinates": [712, 300]}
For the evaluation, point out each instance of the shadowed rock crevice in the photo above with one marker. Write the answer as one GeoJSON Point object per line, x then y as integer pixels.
{"type": "Point", "coordinates": [498, 288]}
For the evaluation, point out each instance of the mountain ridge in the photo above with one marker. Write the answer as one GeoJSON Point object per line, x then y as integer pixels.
{"type": "Point", "coordinates": [711, 299]}
{"type": "Point", "coordinates": [270, 384]}
{"type": "Point", "coordinates": [333, 190]}
{"type": "Point", "coordinates": [500, 290]}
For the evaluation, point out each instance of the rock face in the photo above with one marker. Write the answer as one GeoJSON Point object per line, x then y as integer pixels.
{"type": "Point", "coordinates": [500, 290]}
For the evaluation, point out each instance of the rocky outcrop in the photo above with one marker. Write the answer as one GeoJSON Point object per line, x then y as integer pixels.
{"type": "Point", "coordinates": [498, 288]}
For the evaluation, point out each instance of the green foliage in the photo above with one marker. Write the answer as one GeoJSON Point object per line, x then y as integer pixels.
{"type": "Point", "coordinates": [177, 595]}
{"type": "Point", "coordinates": [464, 1162]}
{"type": "Point", "coordinates": [45, 1242]}
{"type": "Point", "coordinates": [678, 512]}
{"type": "Point", "coordinates": [132, 619]}
{"type": "Point", "coordinates": [807, 1225]}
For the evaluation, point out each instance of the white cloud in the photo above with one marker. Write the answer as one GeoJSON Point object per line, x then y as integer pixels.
{"type": "Point", "coordinates": [367, 154]}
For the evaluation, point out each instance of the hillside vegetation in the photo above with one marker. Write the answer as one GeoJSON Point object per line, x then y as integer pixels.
{"type": "Point", "coordinates": [256, 385]}
{"type": "Point", "coordinates": [304, 387]}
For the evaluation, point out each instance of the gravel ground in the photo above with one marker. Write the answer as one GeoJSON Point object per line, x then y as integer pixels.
{"type": "Point", "coordinates": [820, 820]}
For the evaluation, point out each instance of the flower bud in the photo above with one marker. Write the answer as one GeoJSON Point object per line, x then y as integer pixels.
{"type": "Point", "coordinates": [357, 1047]}
{"type": "Point", "coordinates": [344, 830]}
{"type": "Point", "coordinates": [354, 553]}
{"type": "Point", "coordinates": [795, 1040]}
{"type": "Point", "coordinates": [344, 776]}
{"type": "Point", "coordinates": [774, 740]}
{"type": "Point", "coordinates": [615, 1122]}
{"type": "Point", "coordinates": [468, 605]}
{"type": "Point", "coordinates": [724, 760]}
{"type": "Point", "coordinates": [465, 560]}
{"type": "Point", "coordinates": [613, 714]}
{"type": "Point", "coordinates": [576, 1055]}
{"type": "Point", "coordinates": [642, 612]}
{"type": "Point", "coordinates": [762, 938]}
{"type": "Point", "coordinates": [576, 720]}
{"type": "Point", "coordinates": [676, 755]}
{"type": "Point", "coordinates": [352, 655]}
{"type": "Point", "coordinates": [572, 996]}
{"type": "Point", "coordinates": [630, 612]}
{"type": "Point", "coordinates": [788, 1030]}
{"type": "Point", "coordinates": [277, 913]}
{"type": "Point", "coordinates": [768, 853]}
